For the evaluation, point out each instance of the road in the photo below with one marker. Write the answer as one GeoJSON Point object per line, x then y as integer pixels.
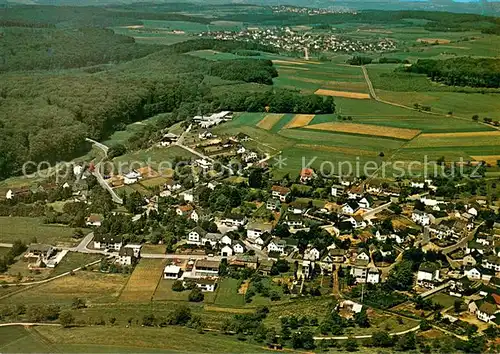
{"type": "Point", "coordinates": [199, 154]}
{"type": "Point", "coordinates": [29, 324]}
{"type": "Point", "coordinates": [366, 336]}
{"type": "Point", "coordinates": [99, 145]}
{"type": "Point", "coordinates": [6, 245]}
{"type": "Point", "coordinates": [376, 210]}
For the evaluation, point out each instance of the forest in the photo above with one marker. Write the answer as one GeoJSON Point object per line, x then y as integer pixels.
{"type": "Point", "coordinates": [45, 116]}
{"type": "Point", "coordinates": [463, 71]}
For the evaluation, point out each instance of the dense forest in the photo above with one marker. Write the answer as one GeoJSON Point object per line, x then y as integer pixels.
{"type": "Point", "coordinates": [463, 71]}
{"type": "Point", "coordinates": [47, 115]}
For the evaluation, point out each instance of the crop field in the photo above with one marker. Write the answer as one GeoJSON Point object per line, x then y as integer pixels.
{"type": "Point", "coordinates": [480, 139]}
{"type": "Point", "coordinates": [367, 129]}
{"type": "Point", "coordinates": [269, 121]}
{"type": "Point", "coordinates": [142, 283]}
{"type": "Point", "coordinates": [25, 229]}
{"type": "Point", "coordinates": [94, 287]}
{"type": "Point", "coordinates": [227, 293]}
{"type": "Point", "coordinates": [299, 120]}
{"type": "Point", "coordinates": [346, 94]}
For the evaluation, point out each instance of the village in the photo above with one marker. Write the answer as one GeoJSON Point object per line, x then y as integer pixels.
{"type": "Point", "coordinates": [292, 40]}
{"type": "Point", "coordinates": [369, 243]}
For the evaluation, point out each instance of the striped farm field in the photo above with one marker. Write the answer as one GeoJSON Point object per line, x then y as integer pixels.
{"type": "Point", "coordinates": [346, 94]}
{"type": "Point", "coordinates": [269, 121]}
{"type": "Point", "coordinates": [300, 120]}
{"type": "Point", "coordinates": [143, 282]}
{"type": "Point", "coordinates": [489, 159]}
{"type": "Point", "coordinates": [367, 129]}
{"type": "Point", "coordinates": [337, 149]}
{"type": "Point", "coordinates": [479, 139]}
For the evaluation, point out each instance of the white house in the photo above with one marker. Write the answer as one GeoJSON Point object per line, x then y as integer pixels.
{"type": "Point", "coordinates": [364, 203]}
{"type": "Point", "coordinates": [131, 177]}
{"type": "Point", "coordinates": [359, 274]}
{"type": "Point", "coordinates": [196, 235]}
{"type": "Point", "coordinates": [373, 276]}
{"type": "Point", "coordinates": [428, 275]}
{"type": "Point", "coordinates": [363, 256]}
{"type": "Point", "coordinates": [108, 242]}
{"type": "Point", "coordinates": [255, 230]}
{"type": "Point", "coordinates": [280, 192]}
{"type": "Point", "coordinates": [126, 256]}
{"type": "Point", "coordinates": [350, 207]}
{"type": "Point", "coordinates": [188, 196]}
{"type": "Point", "coordinates": [239, 247]}
{"type": "Point", "coordinates": [10, 194]}
{"type": "Point", "coordinates": [472, 273]}
{"type": "Point", "coordinates": [420, 217]}
{"type": "Point", "coordinates": [205, 285]}
{"type": "Point", "coordinates": [194, 216]}
{"type": "Point", "coordinates": [171, 272]}
{"type": "Point", "coordinates": [234, 220]}
{"type": "Point", "coordinates": [312, 254]}
{"type": "Point", "coordinates": [337, 190]}
{"type": "Point", "coordinates": [93, 220]}
{"type": "Point", "coordinates": [226, 251]}
{"type": "Point", "coordinates": [276, 245]}
{"type": "Point", "coordinates": [487, 312]}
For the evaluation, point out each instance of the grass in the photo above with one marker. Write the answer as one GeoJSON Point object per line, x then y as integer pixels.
{"type": "Point", "coordinates": [164, 292]}
{"type": "Point", "coordinates": [4, 251]}
{"type": "Point", "coordinates": [94, 287]}
{"type": "Point", "coordinates": [159, 158]}
{"type": "Point", "coordinates": [26, 229]}
{"type": "Point", "coordinates": [143, 282]}
{"type": "Point", "coordinates": [443, 299]}
{"type": "Point", "coordinates": [155, 249]}
{"type": "Point", "coordinates": [227, 293]}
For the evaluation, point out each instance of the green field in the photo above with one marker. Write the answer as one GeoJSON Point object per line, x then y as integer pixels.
{"type": "Point", "coordinates": [118, 339]}
{"type": "Point", "coordinates": [26, 229]}
{"type": "Point", "coordinates": [227, 293]}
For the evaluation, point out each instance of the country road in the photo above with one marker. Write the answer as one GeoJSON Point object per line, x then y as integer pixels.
{"type": "Point", "coordinates": [366, 336]}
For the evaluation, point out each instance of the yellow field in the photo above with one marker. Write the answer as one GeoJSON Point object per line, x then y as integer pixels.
{"type": "Point", "coordinates": [269, 121]}
{"type": "Point", "coordinates": [342, 150]}
{"type": "Point", "coordinates": [489, 159]}
{"type": "Point", "coordinates": [143, 281]}
{"type": "Point", "coordinates": [300, 120]}
{"type": "Point", "coordinates": [457, 139]}
{"type": "Point", "coordinates": [433, 40]}
{"type": "Point", "coordinates": [346, 94]}
{"type": "Point", "coordinates": [367, 129]}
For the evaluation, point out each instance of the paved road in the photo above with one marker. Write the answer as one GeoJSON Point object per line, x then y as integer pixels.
{"type": "Point", "coordinates": [99, 145]}
{"type": "Point", "coordinates": [376, 210]}
{"type": "Point", "coordinates": [6, 245]}
{"type": "Point", "coordinates": [180, 256]}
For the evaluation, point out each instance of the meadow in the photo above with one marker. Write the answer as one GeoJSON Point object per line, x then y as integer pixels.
{"type": "Point", "coordinates": [143, 282]}
{"type": "Point", "coordinates": [26, 229]}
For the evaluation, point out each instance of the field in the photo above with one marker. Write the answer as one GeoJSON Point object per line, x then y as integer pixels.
{"type": "Point", "coordinates": [115, 339]}
{"type": "Point", "coordinates": [227, 294]}
{"type": "Point", "coordinates": [92, 286]}
{"type": "Point", "coordinates": [142, 283]}
{"type": "Point", "coordinates": [299, 120]}
{"type": "Point", "coordinates": [25, 229]}
{"type": "Point", "coordinates": [443, 299]}
{"type": "Point", "coordinates": [346, 94]}
{"type": "Point", "coordinates": [269, 121]}
{"type": "Point", "coordinates": [367, 129]}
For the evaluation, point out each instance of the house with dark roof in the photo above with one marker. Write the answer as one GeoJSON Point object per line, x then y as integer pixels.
{"type": "Point", "coordinates": [126, 256]}
{"type": "Point", "coordinates": [108, 241]}
{"type": "Point", "coordinates": [280, 192]}
{"type": "Point", "coordinates": [428, 275]}
{"type": "Point", "coordinates": [196, 235]}
{"type": "Point", "coordinates": [487, 312]}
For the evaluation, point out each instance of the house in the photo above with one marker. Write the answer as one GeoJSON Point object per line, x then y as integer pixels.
{"type": "Point", "coordinates": [93, 220]}
{"type": "Point", "coordinates": [234, 220]}
{"type": "Point", "coordinates": [348, 308]}
{"type": "Point", "coordinates": [470, 259]}
{"type": "Point", "coordinates": [420, 217]}
{"type": "Point", "coordinates": [206, 268]}
{"type": "Point", "coordinates": [364, 202]}
{"type": "Point", "coordinates": [188, 196]}
{"type": "Point", "coordinates": [168, 138]}
{"type": "Point", "coordinates": [184, 210]}
{"type": "Point", "coordinates": [135, 248]}
{"type": "Point", "coordinates": [306, 175]}
{"type": "Point", "coordinates": [255, 230]}
{"type": "Point", "coordinates": [9, 195]}
{"type": "Point", "coordinates": [273, 204]}
{"type": "Point", "coordinates": [40, 252]}
{"type": "Point", "coordinates": [330, 256]}
{"type": "Point", "coordinates": [373, 275]}
{"type": "Point", "coordinates": [472, 272]}
{"type": "Point", "coordinates": [428, 275]}
{"type": "Point", "coordinates": [487, 312]}
{"type": "Point", "coordinates": [205, 285]}
{"type": "Point", "coordinates": [363, 256]}
{"type": "Point", "coordinates": [213, 238]}
{"type": "Point", "coordinates": [196, 235]}
{"type": "Point", "coordinates": [131, 177]}
{"type": "Point", "coordinates": [226, 251]}
{"type": "Point", "coordinates": [171, 272]}
{"type": "Point", "coordinates": [473, 307]}
{"type": "Point", "coordinates": [203, 164]}
{"type": "Point", "coordinates": [126, 256]}
{"type": "Point", "coordinates": [108, 242]}
{"type": "Point", "coordinates": [239, 247]}
{"type": "Point", "coordinates": [226, 240]}
{"type": "Point", "coordinates": [244, 261]}
{"type": "Point", "coordinates": [294, 221]}
{"type": "Point", "coordinates": [460, 287]}
{"type": "Point", "coordinates": [485, 239]}
{"type": "Point", "coordinates": [492, 262]}
{"type": "Point", "coordinates": [357, 221]}
{"type": "Point", "coordinates": [359, 274]}
{"type": "Point", "coordinates": [262, 240]}
{"type": "Point", "coordinates": [194, 216]}
{"type": "Point", "coordinates": [312, 254]}
{"type": "Point", "coordinates": [297, 208]}
{"type": "Point", "coordinates": [337, 190]}
{"type": "Point", "coordinates": [276, 245]}
{"type": "Point", "coordinates": [350, 207]}
{"type": "Point", "coordinates": [474, 246]}
{"type": "Point", "coordinates": [280, 192]}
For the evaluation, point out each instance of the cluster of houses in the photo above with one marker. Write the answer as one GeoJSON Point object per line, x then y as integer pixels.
{"type": "Point", "coordinates": [209, 121]}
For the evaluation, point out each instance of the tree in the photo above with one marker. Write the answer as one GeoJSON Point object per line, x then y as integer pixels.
{"type": "Point", "coordinates": [78, 303]}
{"type": "Point", "coordinates": [382, 339]}
{"type": "Point", "coordinates": [116, 150]}
{"type": "Point", "coordinates": [177, 286]}
{"type": "Point", "coordinates": [196, 295]}
{"type": "Point", "coordinates": [351, 345]}
{"type": "Point", "coordinates": [255, 178]}
{"type": "Point", "coordinates": [271, 336]}
{"type": "Point", "coordinates": [148, 320]}
{"type": "Point", "coordinates": [457, 305]}
{"type": "Point", "coordinates": [424, 325]}
{"type": "Point", "coordinates": [406, 342]}
{"type": "Point", "coordinates": [66, 319]}
{"type": "Point", "coordinates": [361, 318]}
{"type": "Point", "coordinates": [475, 117]}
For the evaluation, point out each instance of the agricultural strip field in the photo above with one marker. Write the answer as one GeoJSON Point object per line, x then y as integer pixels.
{"type": "Point", "coordinates": [346, 94]}
{"type": "Point", "coordinates": [367, 129]}
{"type": "Point", "coordinates": [25, 228]}
{"type": "Point", "coordinates": [299, 120]}
{"type": "Point", "coordinates": [269, 121]}
{"type": "Point", "coordinates": [479, 139]}
{"type": "Point", "coordinates": [94, 287]}
{"type": "Point", "coordinates": [142, 283]}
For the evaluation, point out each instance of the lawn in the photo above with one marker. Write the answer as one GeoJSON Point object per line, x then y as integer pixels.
{"type": "Point", "coordinates": [227, 293]}
{"type": "Point", "coordinates": [164, 292]}
{"type": "Point", "coordinates": [159, 158]}
{"type": "Point", "coordinates": [443, 299]}
{"type": "Point", "coordinates": [26, 229]}
{"type": "Point", "coordinates": [142, 283]}
{"type": "Point", "coordinates": [4, 251]}
{"type": "Point", "coordinates": [154, 249]}
{"type": "Point", "coordinates": [94, 287]}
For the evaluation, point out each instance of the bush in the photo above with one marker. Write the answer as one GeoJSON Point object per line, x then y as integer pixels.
{"type": "Point", "coordinates": [177, 286]}
{"type": "Point", "coordinates": [196, 295]}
